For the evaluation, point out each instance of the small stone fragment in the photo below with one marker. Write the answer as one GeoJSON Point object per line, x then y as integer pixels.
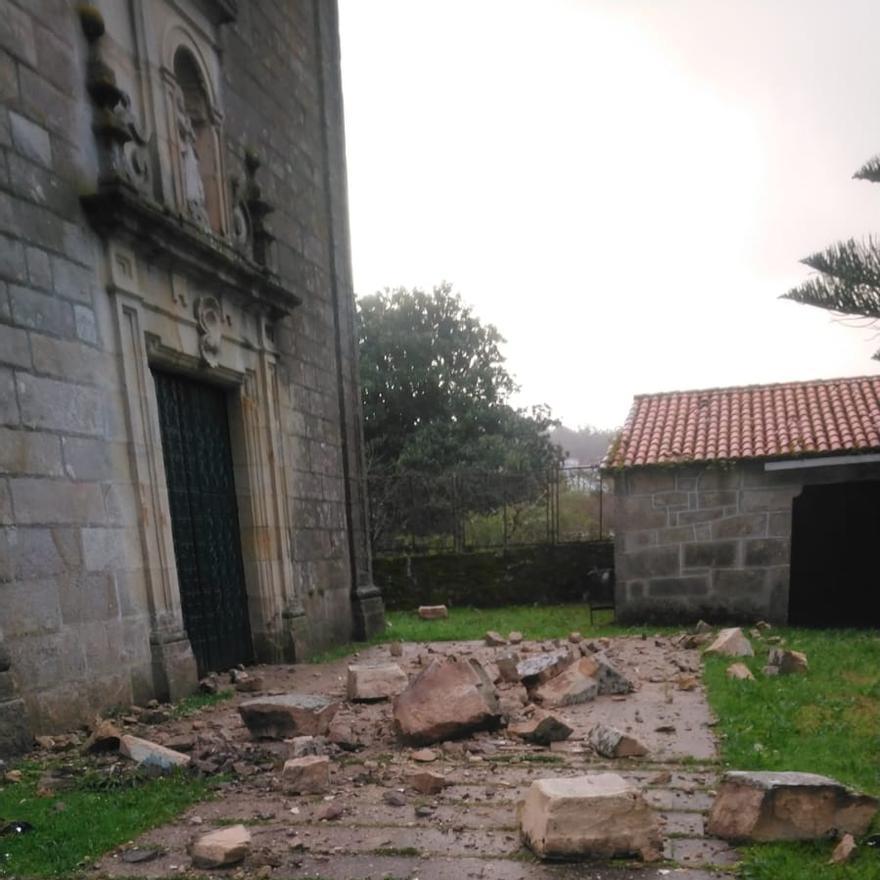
{"type": "Point", "coordinates": [249, 683]}
{"type": "Point", "coordinates": [221, 848]}
{"type": "Point", "coordinates": [612, 743]}
{"type": "Point", "coordinates": [767, 806]}
{"type": "Point", "coordinates": [395, 649]}
{"type": "Point", "coordinates": [507, 667]}
{"type": "Point", "coordinates": [844, 850]}
{"type": "Point", "coordinates": [731, 643]}
{"type": "Point", "coordinates": [150, 754]}
{"type": "Point", "coordinates": [576, 684]}
{"type": "Point", "coordinates": [426, 781]}
{"type": "Point", "coordinates": [620, 821]}
{"type": "Point", "coordinates": [307, 775]}
{"type": "Point", "coordinates": [494, 639]}
{"type": "Point", "coordinates": [611, 679]}
{"type": "Point", "coordinates": [542, 729]}
{"type": "Point", "coordinates": [740, 672]}
{"type": "Point", "coordinates": [687, 682]}
{"type": "Point", "coordinates": [394, 798]}
{"type": "Point", "coordinates": [575, 638]}
{"type": "Point", "coordinates": [515, 637]}
{"type": "Point", "coordinates": [301, 746]}
{"type": "Point", "coordinates": [701, 627]}
{"type": "Point", "coordinates": [375, 681]}
{"type": "Point", "coordinates": [104, 738]}
{"type": "Point", "coordinates": [542, 667]}
{"type": "Point", "coordinates": [424, 756]}
{"type": "Point", "coordinates": [789, 662]}
{"type": "Point", "coordinates": [433, 612]}
{"type": "Point", "coordinates": [329, 812]}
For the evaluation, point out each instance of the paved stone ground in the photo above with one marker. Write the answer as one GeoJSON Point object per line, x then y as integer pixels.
{"type": "Point", "coordinates": [470, 830]}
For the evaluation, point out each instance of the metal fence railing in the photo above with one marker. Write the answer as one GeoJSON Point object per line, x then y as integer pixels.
{"type": "Point", "coordinates": [474, 510]}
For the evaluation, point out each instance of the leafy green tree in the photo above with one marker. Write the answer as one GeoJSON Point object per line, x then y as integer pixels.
{"type": "Point", "coordinates": [848, 282]}
{"type": "Point", "coordinates": [436, 391]}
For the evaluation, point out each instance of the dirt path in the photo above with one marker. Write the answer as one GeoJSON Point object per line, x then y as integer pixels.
{"type": "Point", "coordinates": [469, 830]}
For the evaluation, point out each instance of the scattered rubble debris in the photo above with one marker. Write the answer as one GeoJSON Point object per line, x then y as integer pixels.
{"type": "Point", "coordinates": [395, 649]}
{"type": "Point", "coordinates": [731, 643]}
{"type": "Point", "coordinates": [788, 662]}
{"type": "Point", "coordinates": [105, 737]}
{"type": "Point", "coordinates": [426, 781]}
{"type": "Point", "coordinates": [578, 683]}
{"type": "Point", "coordinates": [542, 728]}
{"type": "Point", "coordinates": [433, 612]}
{"type": "Point", "coordinates": [844, 850]}
{"type": "Point", "coordinates": [515, 637]}
{"type": "Point", "coordinates": [612, 743]}
{"type": "Point", "coordinates": [221, 848]}
{"type": "Point", "coordinates": [449, 699]}
{"type": "Point", "coordinates": [764, 806]}
{"type": "Point", "coordinates": [611, 679]}
{"type": "Point", "coordinates": [309, 774]}
{"type": "Point", "coordinates": [542, 667]}
{"type": "Point", "coordinates": [621, 822]}
{"type": "Point", "coordinates": [494, 639]}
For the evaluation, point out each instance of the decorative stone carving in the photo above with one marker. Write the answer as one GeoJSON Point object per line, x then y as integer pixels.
{"type": "Point", "coordinates": [193, 187]}
{"type": "Point", "coordinates": [209, 316]}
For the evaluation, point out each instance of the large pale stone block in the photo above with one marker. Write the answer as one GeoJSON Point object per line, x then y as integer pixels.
{"type": "Point", "coordinates": [578, 683]}
{"type": "Point", "coordinates": [375, 681]}
{"type": "Point", "coordinates": [221, 848]}
{"type": "Point", "coordinates": [766, 806]}
{"type": "Point", "coordinates": [601, 815]}
{"type": "Point", "coordinates": [150, 754]}
{"type": "Point", "coordinates": [731, 643]}
{"type": "Point", "coordinates": [309, 774]}
{"type": "Point", "coordinates": [288, 715]}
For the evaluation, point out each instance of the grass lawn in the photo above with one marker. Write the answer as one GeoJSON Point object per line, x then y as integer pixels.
{"type": "Point", "coordinates": [827, 722]}
{"type": "Point", "coordinates": [72, 828]}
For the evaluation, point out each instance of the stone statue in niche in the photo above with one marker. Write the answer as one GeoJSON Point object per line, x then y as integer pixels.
{"type": "Point", "coordinates": [209, 316]}
{"type": "Point", "coordinates": [190, 168]}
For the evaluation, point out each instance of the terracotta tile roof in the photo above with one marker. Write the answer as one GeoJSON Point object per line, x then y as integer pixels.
{"type": "Point", "coordinates": [787, 420]}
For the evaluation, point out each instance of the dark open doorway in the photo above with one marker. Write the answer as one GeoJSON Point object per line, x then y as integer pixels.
{"type": "Point", "coordinates": [204, 520]}
{"type": "Point", "coordinates": [835, 549]}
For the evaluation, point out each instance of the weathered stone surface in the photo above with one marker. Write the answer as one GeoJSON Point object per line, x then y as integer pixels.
{"type": "Point", "coordinates": [542, 667]}
{"type": "Point", "coordinates": [15, 737]}
{"type": "Point", "coordinates": [395, 649]}
{"type": "Point", "coordinates": [575, 638]}
{"type": "Point", "coordinates": [494, 639]}
{"type": "Point", "coordinates": [300, 746]}
{"type": "Point", "coordinates": [309, 774]}
{"type": "Point", "coordinates": [788, 662]}
{"type": "Point", "coordinates": [426, 781]}
{"type": "Point", "coordinates": [611, 679]}
{"type": "Point", "coordinates": [542, 728]}
{"type": "Point", "coordinates": [433, 612]}
{"type": "Point", "coordinates": [740, 671]}
{"type": "Point", "coordinates": [449, 699]}
{"type": "Point", "coordinates": [844, 850]}
{"type": "Point", "coordinates": [515, 637]}
{"type": "Point", "coordinates": [552, 819]}
{"type": "Point", "coordinates": [577, 683]}
{"type": "Point", "coordinates": [613, 743]}
{"type": "Point", "coordinates": [150, 754]}
{"type": "Point", "coordinates": [731, 643]}
{"type": "Point", "coordinates": [507, 667]}
{"type": "Point", "coordinates": [763, 806]}
{"type": "Point", "coordinates": [221, 848]}
{"type": "Point", "coordinates": [288, 715]}
{"type": "Point", "coordinates": [377, 681]}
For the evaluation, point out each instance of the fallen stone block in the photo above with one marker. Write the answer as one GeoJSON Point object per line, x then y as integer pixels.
{"type": "Point", "coordinates": [542, 667]}
{"type": "Point", "coordinates": [288, 715]}
{"type": "Point", "coordinates": [515, 637]}
{"type": "Point", "coordinates": [494, 639]}
{"type": "Point", "coordinates": [221, 848]}
{"type": "Point", "coordinates": [449, 699]}
{"type": "Point", "coordinates": [426, 781]}
{"type": "Point", "coordinates": [433, 612]}
{"type": "Point", "coordinates": [375, 681]}
{"type": "Point", "coordinates": [542, 729]}
{"type": "Point", "coordinates": [731, 643]}
{"type": "Point", "coordinates": [611, 679]}
{"type": "Point", "coordinates": [150, 754]}
{"type": "Point", "coordinates": [507, 664]}
{"type": "Point", "coordinates": [739, 671]}
{"type": "Point", "coordinates": [601, 816]}
{"type": "Point", "coordinates": [701, 627]}
{"type": "Point", "coordinates": [301, 746]}
{"type": "Point", "coordinates": [309, 774]}
{"type": "Point", "coordinates": [575, 638]}
{"type": "Point", "coordinates": [395, 649]}
{"type": "Point", "coordinates": [613, 743]}
{"type": "Point", "coordinates": [765, 806]}
{"type": "Point", "coordinates": [104, 738]}
{"type": "Point", "coordinates": [788, 662]}
{"type": "Point", "coordinates": [341, 734]}
{"type": "Point", "coordinates": [575, 684]}
{"type": "Point", "coordinates": [687, 682]}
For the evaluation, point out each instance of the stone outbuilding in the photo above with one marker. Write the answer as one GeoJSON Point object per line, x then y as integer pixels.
{"type": "Point", "coordinates": [736, 504]}
{"type": "Point", "coordinates": [181, 469]}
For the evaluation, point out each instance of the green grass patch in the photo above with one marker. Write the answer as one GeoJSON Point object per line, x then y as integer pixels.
{"type": "Point", "coordinates": [827, 721]}
{"type": "Point", "coordinates": [196, 702]}
{"type": "Point", "coordinates": [97, 815]}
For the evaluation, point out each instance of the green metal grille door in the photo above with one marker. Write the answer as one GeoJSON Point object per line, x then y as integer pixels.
{"type": "Point", "coordinates": [204, 520]}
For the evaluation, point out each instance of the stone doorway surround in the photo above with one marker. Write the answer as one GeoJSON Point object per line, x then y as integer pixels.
{"type": "Point", "coordinates": [164, 321]}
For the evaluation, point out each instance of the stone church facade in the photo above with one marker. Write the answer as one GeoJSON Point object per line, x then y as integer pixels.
{"type": "Point", "coordinates": [181, 478]}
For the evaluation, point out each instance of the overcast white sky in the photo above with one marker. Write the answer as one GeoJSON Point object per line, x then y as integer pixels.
{"type": "Point", "coordinates": [623, 187]}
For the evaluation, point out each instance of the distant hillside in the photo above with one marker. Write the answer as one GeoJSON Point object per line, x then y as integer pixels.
{"type": "Point", "coordinates": [587, 445]}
